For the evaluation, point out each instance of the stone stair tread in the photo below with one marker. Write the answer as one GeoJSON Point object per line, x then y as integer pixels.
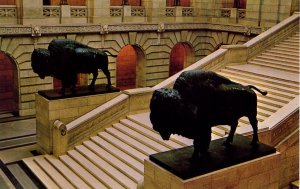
{"type": "Point", "coordinates": [259, 78]}
{"type": "Point", "coordinates": [280, 93]}
{"type": "Point", "coordinates": [275, 66]}
{"type": "Point", "coordinates": [151, 134]}
{"type": "Point", "coordinates": [120, 154]}
{"type": "Point", "coordinates": [282, 52]}
{"type": "Point", "coordinates": [276, 87]}
{"type": "Point", "coordinates": [131, 141]}
{"type": "Point", "coordinates": [39, 173]}
{"type": "Point", "coordinates": [53, 173]}
{"type": "Point", "coordinates": [108, 169]}
{"type": "Point", "coordinates": [267, 72]}
{"type": "Point", "coordinates": [82, 173]}
{"type": "Point", "coordinates": [276, 57]}
{"type": "Point", "coordinates": [287, 46]}
{"type": "Point", "coordinates": [264, 112]}
{"type": "Point", "coordinates": [143, 139]}
{"type": "Point", "coordinates": [123, 146]}
{"type": "Point", "coordinates": [290, 42]}
{"type": "Point", "coordinates": [220, 132]}
{"type": "Point", "coordinates": [144, 119]}
{"type": "Point", "coordinates": [285, 49]}
{"type": "Point", "coordinates": [114, 161]}
{"type": "Point", "coordinates": [68, 174]}
{"type": "Point", "coordinates": [181, 139]}
{"type": "Point", "coordinates": [94, 170]}
{"type": "Point", "coordinates": [277, 61]}
{"type": "Point", "coordinates": [267, 107]}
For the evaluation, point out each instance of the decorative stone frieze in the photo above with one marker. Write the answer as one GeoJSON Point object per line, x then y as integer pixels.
{"type": "Point", "coordinates": [116, 11]}
{"type": "Point", "coordinates": [9, 11]}
{"type": "Point", "coordinates": [51, 11]}
{"type": "Point", "coordinates": [79, 12]}
{"type": "Point", "coordinates": [187, 11]}
{"type": "Point", "coordinates": [138, 11]}
{"type": "Point", "coordinates": [170, 11]}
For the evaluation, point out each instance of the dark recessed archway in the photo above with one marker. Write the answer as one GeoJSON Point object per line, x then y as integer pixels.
{"type": "Point", "coordinates": [9, 90]}
{"type": "Point", "coordinates": [181, 57]}
{"type": "Point", "coordinates": [130, 68]}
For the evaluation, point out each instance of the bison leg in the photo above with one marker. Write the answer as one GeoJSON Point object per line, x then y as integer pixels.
{"type": "Point", "coordinates": [201, 144]}
{"type": "Point", "coordinates": [92, 85]}
{"type": "Point", "coordinates": [253, 122]}
{"type": "Point", "coordinates": [107, 74]}
{"type": "Point", "coordinates": [231, 134]}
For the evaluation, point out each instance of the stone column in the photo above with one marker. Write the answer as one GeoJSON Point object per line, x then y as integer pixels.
{"type": "Point", "coordinates": [155, 10]}
{"type": "Point", "coordinates": [99, 11]}
{"type": "Point", "coordinates": [31, 11]}
{"type": "Point", "coordinates": [65, 14]}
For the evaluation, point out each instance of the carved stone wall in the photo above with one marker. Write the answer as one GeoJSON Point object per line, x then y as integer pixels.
{"type": "Point", "coordinates": [155, 42]}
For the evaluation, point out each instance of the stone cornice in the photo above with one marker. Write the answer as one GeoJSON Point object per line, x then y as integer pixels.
{"type": "Point", "coordinates": [112, 28]}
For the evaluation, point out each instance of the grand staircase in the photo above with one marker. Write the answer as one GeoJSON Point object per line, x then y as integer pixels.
{"type": "Point", "coordinates": [114, 158]}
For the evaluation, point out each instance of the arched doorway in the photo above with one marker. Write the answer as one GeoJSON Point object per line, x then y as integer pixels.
{"type": "Point", "coordinates": [130, 68]}
{"type": "Point", "coordinates": [9, 90]}
{"type": "Point", "coordinates": [181, 57]}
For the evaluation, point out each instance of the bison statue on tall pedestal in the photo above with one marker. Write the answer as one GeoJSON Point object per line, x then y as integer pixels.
{"type": "Point", "coordinates": [200, 100]}
{"type": "Point", "coordinates": [64, 59]}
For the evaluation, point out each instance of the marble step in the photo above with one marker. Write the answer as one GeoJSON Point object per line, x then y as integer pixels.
{"type": "Point", "coordinates": [287, 46]}
{"type": "Point", "coordinates": [40, 173]}
{"type": "Point", "coordinates": [280, 56]}
{"type": "Point", "coordinates": [94, 170]}
{"type": "Point", "coordinates": [141, 138]}
{"type": "Point", "coordinates": [138, 155]}
{"type": "Point", "coordinates": [114, 161]}
{"type": "Point", "coordinates": [266, 72]}
{"type": "Point", "coordinates": [291, 62]}
{"type": "Point", "coordinates": [275, 65]}
{"type": "Point", "coordinates": [286, 49]}
{"type": "Point", "coordinates": [120, 154]}
{"type": "Point", "coordinates": [290, 43]}
{"type": "Point", "coordinates": [260, 78]}
{"type": "Point", "coordinates": [66, 172]}
{"type": "Point", "coordinates": [131, 142]}
{"type": "Point", "coordinates": [144, 120]}
{"type": "Point", "coordinates": [53, 173]}
{"type": "Point", "coordinates": [150, 133]}
{"type": "Point", "coordinates": [277, 90]}
{"type": "Point", "coordinates": [83, 173]}
{"type": "Point", "coordinates": [283, 52]}
{"type": "Point", "coordinates": [109, 174]}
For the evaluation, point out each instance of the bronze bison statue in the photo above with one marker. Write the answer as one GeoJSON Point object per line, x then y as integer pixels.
{"type": "Point", "coordinates": [200, 100]}
{"type": "Point", "coordinates": [64, 59]}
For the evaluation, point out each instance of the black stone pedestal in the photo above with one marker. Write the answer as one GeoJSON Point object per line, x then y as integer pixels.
{"type": "Point", "coordinates": [54, 94]}
{"type": "Point", "coordinates": [219, 156]}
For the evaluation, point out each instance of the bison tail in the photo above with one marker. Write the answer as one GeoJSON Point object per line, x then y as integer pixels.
{"type": "Point", "coordinates": [106, 51]}
{"type": "Point", "coordinates": [255, 88]}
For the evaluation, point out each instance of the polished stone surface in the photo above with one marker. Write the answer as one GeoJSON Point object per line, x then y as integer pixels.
{"type": "Point", "coordinates": [179, 161]}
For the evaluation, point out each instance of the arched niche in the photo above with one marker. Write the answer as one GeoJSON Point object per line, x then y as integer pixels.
{"type": "Point", "coordinates": [9, 84]}
{"type": "Point", "coordinates": [130, 68]}
{"type": "Point", "coordinates": [181, 57]}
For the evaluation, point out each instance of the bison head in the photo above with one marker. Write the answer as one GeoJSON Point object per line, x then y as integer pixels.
{"type": "Point", "coordinates": [169, 115]}
{"type": "Point", "coordinates": [39, 62]}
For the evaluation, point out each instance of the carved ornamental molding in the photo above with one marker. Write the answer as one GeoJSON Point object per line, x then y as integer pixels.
{"type": "Point", "coordinates": [115, 28]}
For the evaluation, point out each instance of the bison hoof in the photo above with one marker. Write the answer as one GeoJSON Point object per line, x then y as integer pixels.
{"type": "Point", "coordinates": [254, 143]}
{"type": "Point", "coordinates": [91, 88]}
{"type": "Point", "coordinates": [227, 143]}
